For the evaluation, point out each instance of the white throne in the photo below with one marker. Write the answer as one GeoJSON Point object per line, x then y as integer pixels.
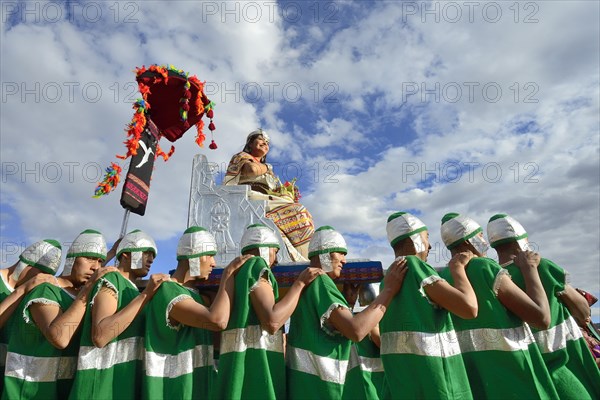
{"type": "Point", "coordinates": [225, 211]}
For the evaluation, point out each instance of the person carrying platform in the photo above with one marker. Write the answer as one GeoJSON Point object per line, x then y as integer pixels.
{"type": "Point", "coordinates": [563, 347]}
{"type": "Point", "coordinates": [365, 375]}
{"type": "Point", "coordinates": [419, 349]}
{"type": "Point", "coordinates": [251, 363]}
{"type": "Point", "coordinates": [109, 363]}
{"type": "Point", "coordinates": [497, 346]}
{"type": "Point", "coordinates": [322, 327]}
{"type": "Point", "coordinates": [35, 264]}
{"type": "Point", "coordinates": [178, 342]}
{"type": "Point", "coordinates": [42, 359]}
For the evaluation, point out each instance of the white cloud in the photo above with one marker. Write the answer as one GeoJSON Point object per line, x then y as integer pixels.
{"type": "Point", "coordinates": [375, 56]}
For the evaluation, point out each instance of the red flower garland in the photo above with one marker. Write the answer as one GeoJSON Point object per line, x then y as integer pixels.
{"type": "Point", "coordinates": [138, 122]}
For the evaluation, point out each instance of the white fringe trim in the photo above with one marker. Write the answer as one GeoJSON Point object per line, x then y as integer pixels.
{"type": "Point", "coordinates": [327, 314]}
{"type": "Point", "coordinates": [109, 285]}
{"type": "Point", "coordinates": [170, 306]}
{"type": "Point", "coordinates": [39, 300]}
{"type": "Point", "coordinates": [430, 281]}
{"type": "Point", "coordinates": [498, 280]}
{"type": "Point", "coordinates": [567, 283]}
{"type": "Point", "coordinates": [265, 271]}
{"type": "Point", "coordinates": [567, 278]}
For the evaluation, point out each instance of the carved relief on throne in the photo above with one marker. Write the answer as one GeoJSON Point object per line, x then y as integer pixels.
{"type": "Point", "coordinates": [220, 214]}
{"type": "Point", "coordinates": [225, 211]}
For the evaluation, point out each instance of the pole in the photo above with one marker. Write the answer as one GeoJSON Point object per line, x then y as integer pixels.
{"type": "Point", "coordinates": [124, 223]}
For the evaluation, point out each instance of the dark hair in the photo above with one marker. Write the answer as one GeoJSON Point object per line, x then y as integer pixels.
{"type": "Point", "coordinates": [251, 140]}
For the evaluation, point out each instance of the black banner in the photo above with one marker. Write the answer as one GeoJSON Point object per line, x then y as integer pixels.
{"type": "Point", "coordinates": [137, 183]}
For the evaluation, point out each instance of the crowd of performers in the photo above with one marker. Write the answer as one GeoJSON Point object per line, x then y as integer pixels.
{"type": "Point", "coordinates": [477, 329]}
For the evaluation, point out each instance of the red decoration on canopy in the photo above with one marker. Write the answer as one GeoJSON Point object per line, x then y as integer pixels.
{"type": "Point", "coordinates": [174, 101]}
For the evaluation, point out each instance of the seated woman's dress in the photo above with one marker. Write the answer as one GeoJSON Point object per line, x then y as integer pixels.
{"type": "Point", "coordinates": [293, 220]}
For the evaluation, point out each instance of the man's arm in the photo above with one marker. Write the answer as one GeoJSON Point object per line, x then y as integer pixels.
{"type": "Point", "coordinates": [10, 303]}
{"type": "Point", "coordinates": [531, 306]}
{"type": "Point", "coordinates": [273, 315]}
{"type": "Point", "coordinates": [356, 327]}
{"type": "Point", "coordinates": [107, 323]}
{"type": "Point", "coordinates": [459, 299]}
{"type": "Point", "coordinates": [59, 327]}
{"type": "Point", "coordinates": [215, 318]}
{"type": "Point", "coordinates": [577, 305]}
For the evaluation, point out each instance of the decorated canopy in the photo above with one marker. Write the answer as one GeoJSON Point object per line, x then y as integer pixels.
{"type": "Point", "coordinates": [172, 102]}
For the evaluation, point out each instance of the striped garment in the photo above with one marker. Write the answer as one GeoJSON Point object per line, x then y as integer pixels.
{"type": "Point", "coordinates": [317, 355]}
{"type": "Point", "coordinates": [34, 368]}
{"type": "Point", "coordinates": [563, 347]}
{"type": "Point", "coordinates": [251, 364]}
{"type": "Point", "coordinates": [5, 291]}
{"type": "Point", "coordinates": [419, 347]}
{"type": "Point", "coordinates": [114, 371]}
{"type": "Point", "coordinates": [178, 359]}
{"type": "Point", "coordinates": [497, 347]}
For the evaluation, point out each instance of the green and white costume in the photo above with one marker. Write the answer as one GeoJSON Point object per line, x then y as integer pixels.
{"type": "Point", "coordinates": [251, 362]}
{"type": "Point", "coordinates": [563, 348]}
{"type": "Point", "coordinates": [318, 355]}
{"type": "Point", "coordinates": [497, 347]}
{"type": "Point", "coordinates": [44, 255]}
{"type": "Point", "coordinates": [115, 370]}
{"type": "Point", "coordinates": [178, 358]}
{"type": "Point", "coordinates": [364, 379]}
{"type": "Point", "coordinates": [419, 349]}
{"type": "Point", "coordinates": [5, 291]}
{"type": "Point", "coordinates": [34, 368]}
{"type": "Point", "coordinates": [418, 342]}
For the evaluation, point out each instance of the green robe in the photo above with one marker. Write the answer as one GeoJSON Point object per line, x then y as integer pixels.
{"type": "Point", "coordinates": [364, 379]}
{"type": "Point", "coordinates": [498, 348]}
{"type": "Point", "coordinates": [5, 291]}
{"type": "Point", "coordinates": [115, 370]}
{"type": "Point", "coordinates": [178, 358]}
{"type": "Point", "coordinates": [568, 359]}
{"type": "Point", "coordinates": [419, 348]}
{"type": "Point", "coordinates": [251, 363]}
{"type": "Point", "coordinates": [34, 368]}
{"type": "Point", "coordinates": [317, 355]}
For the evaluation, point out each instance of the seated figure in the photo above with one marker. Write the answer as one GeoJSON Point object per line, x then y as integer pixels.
{"type": "Point", "coordinates": [249, 167]}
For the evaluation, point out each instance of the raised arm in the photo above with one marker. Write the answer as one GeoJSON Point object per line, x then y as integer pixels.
{"type": "Point", "coordinates": [577, 305]}
{"type": "Point", "coordinates": [58, 327]}
{"type": "Point", "coordinates": [273, 315]}
{"type": "Point", "coordinates": [215, 318]}
{"type": "Point", "coordinates": [459, 299]}
{"type": "Point", "coordinates": [375, 336]}
{"type": "Point", "coordinates": [10, 303]}
{"type": "Point", "coordinates": [356, 327]}
{"type": "Point", "coordinates": [107, 323]}
{"type": "Point", "coordinates": [532, 305]}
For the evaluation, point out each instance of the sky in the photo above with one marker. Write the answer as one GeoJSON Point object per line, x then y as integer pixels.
{"type": "Point", "coordinates": [428, 107]}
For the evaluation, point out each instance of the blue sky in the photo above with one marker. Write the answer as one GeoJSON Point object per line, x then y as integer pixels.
{"type": "Point", "coordinates": [375, 106]}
